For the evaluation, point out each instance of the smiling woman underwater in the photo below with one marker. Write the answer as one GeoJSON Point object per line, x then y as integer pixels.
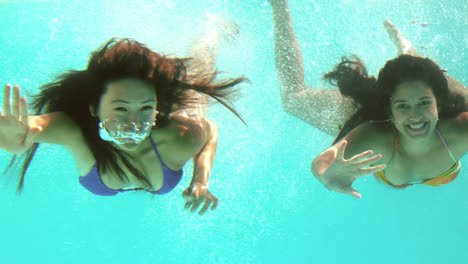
{"type": "Point", "coordinates": [415, 108]}
{"type": "Point", "coordinates": [366, 114]}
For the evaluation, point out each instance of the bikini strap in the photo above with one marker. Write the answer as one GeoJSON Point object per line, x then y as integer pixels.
{"type": "Point", "coordinates": [154, 148]}
{"type": "Point", "coordinates": [396, 138]}
{"type": "Point", "coordinates": [445, 144]}
{"type": "Point", "coordinates": [394, 150]}
{"type": "Point", "coordinates": [164, 166]}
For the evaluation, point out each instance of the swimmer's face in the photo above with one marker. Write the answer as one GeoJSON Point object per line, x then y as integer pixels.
{"type": "Point", "coordinates": [130, 100]}
{"type": "Point", "coordinates": [414, 109]}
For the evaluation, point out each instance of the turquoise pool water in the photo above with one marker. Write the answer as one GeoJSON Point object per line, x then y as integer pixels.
{"type": "Point", "coordinates": [271, 209]}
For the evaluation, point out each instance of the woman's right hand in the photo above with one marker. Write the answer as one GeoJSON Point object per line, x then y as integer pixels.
{"type": "Point", "coordinates": [16, 135]}
{"type": "Point", "coordinates": [338, 173]}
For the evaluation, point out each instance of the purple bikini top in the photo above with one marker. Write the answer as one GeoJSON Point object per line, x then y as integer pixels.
{"type": "Point", "coordinates": [94, 184]}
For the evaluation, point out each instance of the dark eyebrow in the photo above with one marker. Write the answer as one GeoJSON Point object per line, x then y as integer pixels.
{"type": "Point", "coordinates": [149, 101]}
{"type": "Point", "coordinates": [404, 101]}
{"type": "Point", "coordinates": [127, 102]}
{"type": "Point", "coordinates": [425, 97]}
{"type": "Point", "coordinates": [119, 101]}
{"type": "Point", "coordinates": [399, 101]}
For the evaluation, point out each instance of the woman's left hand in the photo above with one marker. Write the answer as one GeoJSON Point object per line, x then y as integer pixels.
{"type": "Point", "coordinates": [197, 194]}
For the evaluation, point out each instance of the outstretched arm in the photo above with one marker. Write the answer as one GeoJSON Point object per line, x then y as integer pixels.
{"type": "Point", "coordinates": [198, 193]}
{"type": "Point", "coordinates": [325, 109]}
{"type": "Point", "coordinates": [404, 46]}
{"type": "Point", "coordinates": [338, 173]}
{"type": "Point", "coordinates": [19, 131]}
{"type": "Point", "coordinates": [16, 132]}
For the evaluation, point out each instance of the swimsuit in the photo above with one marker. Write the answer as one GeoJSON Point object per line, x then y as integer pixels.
{"type": "Point", "coordinates": [94, 184]}
{"type": "Point", "coordinates": [442, 179]}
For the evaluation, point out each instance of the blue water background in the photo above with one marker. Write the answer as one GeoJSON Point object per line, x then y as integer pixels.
{"type": "Point", "coordinates": [271, 209]}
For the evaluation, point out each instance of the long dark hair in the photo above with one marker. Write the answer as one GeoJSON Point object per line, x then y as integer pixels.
{"type": "Point", "coordinates": [372, 96]}
{"type": "Point", "coordinates": [75, 91]}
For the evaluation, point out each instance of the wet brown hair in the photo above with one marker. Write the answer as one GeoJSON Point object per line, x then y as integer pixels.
{"type": "Point", "coordinates": [372, 96]}
{"type": "Point", "coordinates": [75, 91]}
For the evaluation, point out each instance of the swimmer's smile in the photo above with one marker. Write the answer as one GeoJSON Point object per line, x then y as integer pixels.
{"type": "Point", "coordinates": [417, 127]}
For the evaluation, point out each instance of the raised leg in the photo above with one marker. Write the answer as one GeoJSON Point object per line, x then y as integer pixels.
{"type": "Point", "coordinates": [204, 54]}
{"type": "Point", "coordinates": [404, 46]}
{"type": "Point", "coordinates": [325, 109]}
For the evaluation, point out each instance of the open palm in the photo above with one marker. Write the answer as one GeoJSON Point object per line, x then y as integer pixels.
{"type": "Point", "coordinates": [15, 133]}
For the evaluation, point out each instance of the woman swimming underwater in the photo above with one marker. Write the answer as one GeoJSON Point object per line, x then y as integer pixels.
{"type": "Point", "coordinates": [414, 115]}
{"type": "Point", "coordinates": [131, 119]}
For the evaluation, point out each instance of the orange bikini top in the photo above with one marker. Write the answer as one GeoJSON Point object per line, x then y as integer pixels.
{"type": "Point", "coordinates": [442, 179]}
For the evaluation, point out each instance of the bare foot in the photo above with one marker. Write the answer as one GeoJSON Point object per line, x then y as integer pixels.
{"type": "Point", "coordinates": [403, 45]}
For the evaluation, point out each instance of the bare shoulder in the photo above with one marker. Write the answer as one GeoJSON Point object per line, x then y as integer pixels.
{"type": "Point", "coordinates": [378, 137]}
{"type": "Point", "coordinates": [58, 128]}
{"type": "Point", "coordinates": [455, 132]}
{"type": "Point", "coordinates": [182, 138]}
{"type": "Point", "coordinates": [455, 127]}
{"type": "Point", "coordinates": [189, 131]}
{"type": "Point", "coordinates": [462, 122]}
